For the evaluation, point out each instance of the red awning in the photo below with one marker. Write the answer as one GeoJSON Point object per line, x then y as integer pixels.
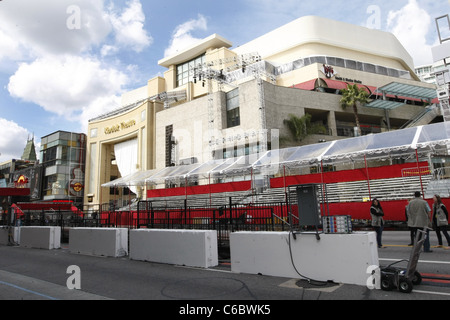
{"type": "Point", "coordinates": [339, 85]}
{"type": "Point", "coordinates": [369, 89]}
{"type": "Point", "coordinates": [14, 192]}
{"type": "Point", "coordinates": [44, 206]}
{"type": "Point", "coordinates": [335, 84]}
{"type": "Point", "coordinates": [308, 85]}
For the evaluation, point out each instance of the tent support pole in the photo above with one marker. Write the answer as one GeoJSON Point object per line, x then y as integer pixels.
{"type": "Point", "coordinates": [367, 175]}
{"type": "Point", "coordinates": [418, 171]}
{"type": "Point", "coordinates": [323, 189]}
{"type": "Point", "coordinates": [209, 187]}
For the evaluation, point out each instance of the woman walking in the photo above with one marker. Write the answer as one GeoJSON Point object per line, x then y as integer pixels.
{"type": "Point", "coordinates": [377, 214]}
{"type": "Point", "coordinates": [440, 219]}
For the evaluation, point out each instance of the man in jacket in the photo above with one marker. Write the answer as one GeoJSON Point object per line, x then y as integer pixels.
{"type": "Point", "coordinates": [419, 213]}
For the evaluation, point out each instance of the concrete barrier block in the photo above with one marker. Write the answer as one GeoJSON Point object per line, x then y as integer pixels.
{"type": "Point", "coordinates": [99, 241]}
{"type": "Point", "coordinates": [48, 238]}
{"type": "Point", "coordinates": [6, 233]}
{"type": "Point", "coordinates": [195, 248]}
{"type": "Point", "coordinates": [341, 258]}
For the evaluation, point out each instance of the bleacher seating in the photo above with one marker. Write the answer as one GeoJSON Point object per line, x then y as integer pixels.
{"type": "Point", "coordinates": [354, 191]}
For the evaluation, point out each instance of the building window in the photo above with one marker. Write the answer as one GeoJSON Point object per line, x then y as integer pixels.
{"type": "Point", "coordinates": [185, 71]}
{"type": "Point", "coordinates": [94, 133]}
{"type": "Point", "coordinates": [242, 150]}
{"type": "Point", "coordinates": [233, 110]}
{"type": "Point", "coordinates": [49, 156]}
{"type": "Point", "coordinates": [93, 168]}
{"type": "Point", "coordinates": [343, 63]}
{"type": "Point", "coordinates": [169, 146]}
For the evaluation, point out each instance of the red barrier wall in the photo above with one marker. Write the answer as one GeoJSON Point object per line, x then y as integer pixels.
{"type": "Point", "coordinates": [394, 210]}
{"type": "Point", "coordinates": [204, 189]}
{"type": "Point", "coordinates": [386, 172]}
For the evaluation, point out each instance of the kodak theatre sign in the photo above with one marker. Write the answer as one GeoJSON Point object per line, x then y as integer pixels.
{"type": "Point", "coordinates": [118, 127]}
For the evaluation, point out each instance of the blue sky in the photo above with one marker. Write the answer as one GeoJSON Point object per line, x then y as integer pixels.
{"type": "Point", "coordinates": [63, 62]}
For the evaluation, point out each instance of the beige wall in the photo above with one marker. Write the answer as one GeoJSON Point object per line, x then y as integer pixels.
{"type": "Point", "coordinates": [135, 124]}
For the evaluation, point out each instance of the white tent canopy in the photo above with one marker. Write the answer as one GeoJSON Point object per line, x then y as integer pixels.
{"type": "Point", "coordinates": [394, 144]}
{"type": "Point", "coordinates": [135, 179]}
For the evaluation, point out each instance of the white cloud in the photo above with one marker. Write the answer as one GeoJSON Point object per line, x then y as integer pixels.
{"type": "Point", "coordinates": [60, 69]}
{"type": "Point", "coordinates": [98, 107]}
{"type": "Point", "coordinates": [108, 50]}
{"type": "Point", "coordinates": [411, 25]}
{"type": "Point", "coordinates": [66, 85]}
{"type": "Point", "coordinates": [13, 143]}
{"type": "Point", "coordinates": [41, 26]}
{"type": "Point", "coordinates": [9, 48]}
{"type": "Point", "coordinates": [182, 36]}
{"type": "Point", "coordinates": [129, 27]}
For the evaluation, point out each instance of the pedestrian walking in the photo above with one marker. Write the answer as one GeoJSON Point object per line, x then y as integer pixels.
{"type": "Point", "coordinates": [412, 230]}
{"type": "Point", "coordinates": [376, 211]}
{"type": "Point", "coordinates": [440, 219]}
{"type": "Point", "coordinates": [419, 212]}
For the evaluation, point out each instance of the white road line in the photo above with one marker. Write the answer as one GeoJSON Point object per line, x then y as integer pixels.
{"type": "Point", "coordinates": [26, 290]}
{"type": "Point", "coordinates": [432, 292]}
{"type": "Point", "coordinates": [44, 289]}
{"type": "Point", "coordinates": [420, 261]}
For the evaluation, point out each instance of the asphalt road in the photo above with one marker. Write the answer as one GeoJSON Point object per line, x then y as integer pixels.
{"type": "Point", "coordinates": [30, 274]}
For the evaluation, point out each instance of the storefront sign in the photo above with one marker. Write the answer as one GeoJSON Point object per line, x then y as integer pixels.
{"type": "Point", "coordinates": [328, 71]}
{"type": "Point", "coordinates": [348, 80]}
{"type": "Point", "coordinates": [118, 127]}
{"type": "Point", "coordinates": [21, 182]}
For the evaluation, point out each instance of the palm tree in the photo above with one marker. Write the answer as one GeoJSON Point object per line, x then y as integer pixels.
{"type": "Point", "coordinates": [301, 127]}
{"type": "Point", "coordinates": [351, 97]}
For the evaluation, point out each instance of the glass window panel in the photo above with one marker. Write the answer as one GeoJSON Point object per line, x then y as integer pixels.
{"type": "Point", "coordinates": [350, 64]}
{"type": "Point", "coordinates": [320, 60]}
{"type": "Point", "coordinates": [331, 61]}
{"type": "Point", "coordinates": [370, 68]}
{"type": "Point", "coordinates": [359, 66]}
{"type": "Point", "coordinates": [393, 73]}
{"type": "Point", "coordinates": [382, 70]}
{"type": "Point", "coordinates": [340, 62]}
{"type": "Point", "coordinates": [185, 71]}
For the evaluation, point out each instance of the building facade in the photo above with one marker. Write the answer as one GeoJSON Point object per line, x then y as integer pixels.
{"type": "Point", "coordinates": [63, 156]}
{"type": "Point", "coordinates": [10, 170]}
{"type": "Point", "coordinates": [427, 73]}
{"type": "Point", "coordinates": [216, 101]}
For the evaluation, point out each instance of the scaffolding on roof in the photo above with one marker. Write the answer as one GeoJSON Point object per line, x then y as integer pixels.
{"type": "Point", "coordinates": [166, 97]}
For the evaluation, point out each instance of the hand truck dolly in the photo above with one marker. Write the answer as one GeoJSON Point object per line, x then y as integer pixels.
{"type": "Point", "coordinates": [401, 278]}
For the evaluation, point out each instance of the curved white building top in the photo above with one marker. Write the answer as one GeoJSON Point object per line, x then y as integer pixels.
{"type": "Point", "coordinates": [213, 41]}
{"type": "Point", "coordinates": [313, 29]}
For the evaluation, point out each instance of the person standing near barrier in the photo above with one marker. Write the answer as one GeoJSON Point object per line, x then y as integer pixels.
{"type": "Point", "coordinates": [440, 219]}
{"type": "Point", "coordinates": [412, 230]}
{"type": "Point", "coordinates": [376, 211]}
{"type": "Point", "coordinates": [419, 212]}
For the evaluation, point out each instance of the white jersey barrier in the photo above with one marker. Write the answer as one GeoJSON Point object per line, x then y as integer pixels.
{"type": "Point", "coordinates": [194, 248]}
{"type": "Point", "coordinates": [341, 258]}
{"type": "Point", "coordinates": [47, 238]}
{"type": "Point", "coordinates": [106, 242]}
